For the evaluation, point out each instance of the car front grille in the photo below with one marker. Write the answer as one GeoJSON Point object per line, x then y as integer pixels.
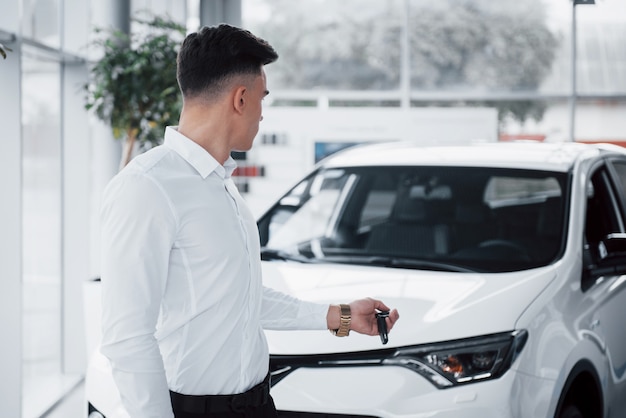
{"type": "Point", "coordinates": [293, 414]}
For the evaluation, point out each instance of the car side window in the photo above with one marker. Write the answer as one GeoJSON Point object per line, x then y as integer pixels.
{"type": "Point", "coordinates": [601, 217]}
{"type": "Point", "coordinates": [316, 211]}
{"type": "Point", "coordinates": [276, 217]}
{"type": "Point", "coordinates": [619, 169]}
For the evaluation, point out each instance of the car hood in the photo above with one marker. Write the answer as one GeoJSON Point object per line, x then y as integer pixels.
{"type": "Point", "coordinates": [434, 306]}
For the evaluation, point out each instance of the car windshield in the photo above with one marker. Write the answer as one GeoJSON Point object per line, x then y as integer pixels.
{"type": "Point", "coordinates": [439, 218]}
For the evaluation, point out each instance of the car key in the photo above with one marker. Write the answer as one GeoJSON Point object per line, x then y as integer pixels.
{"type": "Point", "coordinates": [382, 326]}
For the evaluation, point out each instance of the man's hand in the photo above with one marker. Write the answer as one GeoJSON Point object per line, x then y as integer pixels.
{"type": "Point", "coordinates": [363, 313]}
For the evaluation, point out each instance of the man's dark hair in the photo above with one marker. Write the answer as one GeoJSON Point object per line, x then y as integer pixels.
{"type": "Point", "coordinates": [210, 57]}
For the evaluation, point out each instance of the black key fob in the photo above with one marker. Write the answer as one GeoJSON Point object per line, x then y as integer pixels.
{"type": "Point", "coordinates": [382, 326]}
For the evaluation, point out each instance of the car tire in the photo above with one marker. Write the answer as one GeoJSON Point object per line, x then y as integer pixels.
{"type": "Point", "coordinates": [571, 411]}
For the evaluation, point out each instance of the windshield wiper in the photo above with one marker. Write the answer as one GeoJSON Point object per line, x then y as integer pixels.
{"type": "Point", "coordinates": [426, 264]}
{"type": "Point", "coordinates": [397, 262]}
{"type": "Point", "coordinates": [272, 254]}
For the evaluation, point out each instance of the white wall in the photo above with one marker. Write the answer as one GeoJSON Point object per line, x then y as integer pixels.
{"type": "Point", "coordinates": [298, 129]}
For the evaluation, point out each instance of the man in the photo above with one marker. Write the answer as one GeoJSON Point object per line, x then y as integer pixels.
{"type": "Point", "coordinates": [183, 303]}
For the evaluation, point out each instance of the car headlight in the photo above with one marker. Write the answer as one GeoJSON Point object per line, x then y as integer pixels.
{"type": "Point", "coordinates": [462, 361]}
{"type": "Point", "coordinates": [444, 364]}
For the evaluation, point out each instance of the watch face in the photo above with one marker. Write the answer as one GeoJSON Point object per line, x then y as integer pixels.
{"type": "Point", "coordinates": [345, 311]}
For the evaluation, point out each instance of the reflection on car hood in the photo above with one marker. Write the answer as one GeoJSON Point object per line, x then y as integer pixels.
{"type": "Point", "coordinates": [433, 306]}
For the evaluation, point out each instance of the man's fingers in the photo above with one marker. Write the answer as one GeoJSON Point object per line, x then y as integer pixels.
{"type": "Point", "coordinates": [392, 318]}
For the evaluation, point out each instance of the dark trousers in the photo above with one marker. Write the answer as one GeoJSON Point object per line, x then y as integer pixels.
{"type": "Point", "coordinates": [254, 403]}
{"type": "Point", "coordinates": [264, 411]}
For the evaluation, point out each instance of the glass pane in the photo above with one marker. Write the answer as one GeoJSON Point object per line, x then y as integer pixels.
{"type": "Point", "coordinates": [328, 44]}
{"type": "Point", "coordinates": [453, 218]}
{"type": "Point", "coordinates": [601, 56]}
{"type": "Point", "coordinates": [316, 215]}
{"type": "Point", "coordinates": [620, 169]}
{"type": "Point", "coordinates": [41, 21]}
{"type": "Point", "coordinates": [41, 224]}
{"type": "Point", "coordinates": [491, 46]}
{"type": "Point", "coordinates": [507, 191]}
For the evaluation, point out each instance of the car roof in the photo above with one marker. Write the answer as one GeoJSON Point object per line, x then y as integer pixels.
{"type": "Point", "coordinates": [518, 154]}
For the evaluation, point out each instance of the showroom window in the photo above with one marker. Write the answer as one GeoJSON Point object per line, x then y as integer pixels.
{"type": "Point", "coordinates": [41, 21]}
{"type": "Point", "coordinates": [41, 228]}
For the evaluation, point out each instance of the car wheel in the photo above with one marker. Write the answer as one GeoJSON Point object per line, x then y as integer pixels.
{"type": "Point", "coordinates": [571, 411]}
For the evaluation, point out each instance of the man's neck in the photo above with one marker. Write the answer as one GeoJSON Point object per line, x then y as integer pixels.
{"type": "Point", "coordinates": [208, 130]}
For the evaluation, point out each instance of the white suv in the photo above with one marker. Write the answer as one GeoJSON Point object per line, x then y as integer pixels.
{"type": "Point", "coordinates": [506, 261]}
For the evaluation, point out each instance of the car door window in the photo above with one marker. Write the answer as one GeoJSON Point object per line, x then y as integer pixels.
{"type": "Point", "coordinates": [318, 211]}
{"type": "Point", "coordinates": [619, 170]}
{"type": "Point", "coordinates": [601, 215]}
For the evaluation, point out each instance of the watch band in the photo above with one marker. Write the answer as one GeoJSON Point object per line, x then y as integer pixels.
{"type": "Point", "coordinates": [344, 322]}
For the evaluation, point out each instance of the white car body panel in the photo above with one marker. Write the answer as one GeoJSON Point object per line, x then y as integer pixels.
{"type": "Point", "coordinates": [438, 306]}
{"type": "Point", "coordinates": [569, 328]}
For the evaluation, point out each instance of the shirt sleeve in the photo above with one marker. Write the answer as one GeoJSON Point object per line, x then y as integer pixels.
{"type": "Point", "coordinates": [280, 311]}
{"type": "Point", "coordinates": [137, 232]}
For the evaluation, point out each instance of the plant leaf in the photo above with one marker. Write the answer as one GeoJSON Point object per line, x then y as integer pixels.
{"type": "Point", "coordinates": [133, 86]}
{"type": "Point", "coordinates": [3, 50]}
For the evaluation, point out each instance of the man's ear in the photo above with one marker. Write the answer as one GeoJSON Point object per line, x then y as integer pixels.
{"type": "Point", "coordinates": [239, 99]}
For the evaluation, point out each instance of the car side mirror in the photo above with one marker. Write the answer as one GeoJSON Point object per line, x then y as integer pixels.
{"type": "Point", "coordinates": [610, 256]}
{"type": "Point", "coordinates": [613, 245]}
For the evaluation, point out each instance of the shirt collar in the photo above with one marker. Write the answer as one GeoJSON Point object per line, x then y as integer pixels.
{"type": "Point", "coordinates": [196, 156]}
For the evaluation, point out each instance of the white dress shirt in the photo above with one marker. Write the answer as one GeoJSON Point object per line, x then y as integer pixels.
{"type": "Point", "coordinates": [183, 303]}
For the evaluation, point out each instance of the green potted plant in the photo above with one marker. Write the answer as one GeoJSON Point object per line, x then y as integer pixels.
{"type": "Point", "coordinates": [133, 86]}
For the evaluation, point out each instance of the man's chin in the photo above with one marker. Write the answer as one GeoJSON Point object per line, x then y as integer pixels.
{"type": "Point", "coordinates": [244, 147]}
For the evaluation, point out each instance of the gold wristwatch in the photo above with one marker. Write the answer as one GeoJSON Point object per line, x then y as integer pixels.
{"type": "Point", "coordinates": [344, 322]}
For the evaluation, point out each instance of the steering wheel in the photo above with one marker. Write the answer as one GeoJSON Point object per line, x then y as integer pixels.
{"type": "Point", "coordinates": [506, 248]}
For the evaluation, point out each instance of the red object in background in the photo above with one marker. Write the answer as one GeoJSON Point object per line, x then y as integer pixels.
{"type": "Point", "coordinates": [249, 171]}
{"type": "Point", "coordinates": [541, 138]}
{"type": "Point", "coordinates": [517, 137]}
{"type": "Point", "coordinates": [620, 142]}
